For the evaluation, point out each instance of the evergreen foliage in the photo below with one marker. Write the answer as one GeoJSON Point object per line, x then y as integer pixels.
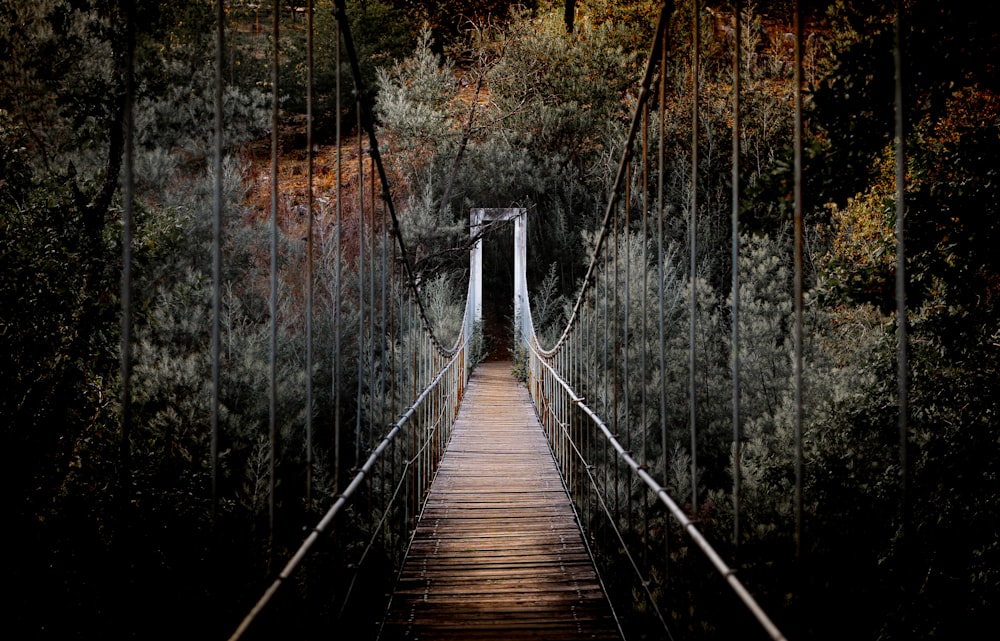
{"type": "Point", "coordinates": [499, 108]}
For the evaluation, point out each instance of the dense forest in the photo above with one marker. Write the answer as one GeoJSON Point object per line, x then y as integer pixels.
{"type": "Point", "coordinates": [490, 104]}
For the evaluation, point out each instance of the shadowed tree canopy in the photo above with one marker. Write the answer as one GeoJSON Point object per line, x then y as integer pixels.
{"type": "Point", "coordinates": [951, 89]}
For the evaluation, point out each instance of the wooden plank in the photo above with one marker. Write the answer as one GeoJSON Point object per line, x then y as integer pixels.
{"type": "Point", "coordinates": [497, 553]}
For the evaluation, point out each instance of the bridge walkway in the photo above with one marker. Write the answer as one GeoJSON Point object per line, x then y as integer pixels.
{"type": "Point", "coordinates": [498, 553]}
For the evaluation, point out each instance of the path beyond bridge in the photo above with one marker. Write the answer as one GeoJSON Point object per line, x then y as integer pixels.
{"type": "Point", "coordinates": [498, 553]}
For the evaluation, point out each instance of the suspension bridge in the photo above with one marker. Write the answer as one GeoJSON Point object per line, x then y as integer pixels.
{"type": "Point", "coordinates": [504, 493]}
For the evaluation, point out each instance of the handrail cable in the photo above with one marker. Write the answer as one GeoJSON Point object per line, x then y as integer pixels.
{"type": "Point", "coordinates": [664, 497]}
{"type": "Point", "coordinates": [588, 470]}
{"type": "Point", "coordinates": [428, 440]}
{"type": "Point", "coordinates": [342, 499]}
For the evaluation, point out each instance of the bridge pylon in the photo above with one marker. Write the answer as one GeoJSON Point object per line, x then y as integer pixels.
{"type": "Point", "coordinates": [478, 218]}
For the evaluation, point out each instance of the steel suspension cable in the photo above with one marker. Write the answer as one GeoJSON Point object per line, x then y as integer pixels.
{"type": "Point", "coordinates": [735, 290]}
{"type": "Point", "coordinates": [273, 390]}
{"type": "Point", "coordinates": [372, 324]}
{"type": "Point", "coordinates": [433, 440]}
{"type": "Point", "coordinates": [338, 269]}
{"type": "Point", "coordinates": [386, 329]}
{"type": "Point", "coordinates": [663, 497]}
{"type": "Point", "coordinates": [661, 197]}
{"type": "Point", "coordinates": [616, 330]}
{"type": "Point", "coordinates": [616, 320]}
{"type": "Point", "coordinates": [361, 284]}
{"type": "Point", "coordinates": [607, 406]}
{"type": "Point", "coordinates": [395, 385]}
{"type": "Point", "coordinates": [666, 10]}
{"type": "Point", "coordinates": [902, 329]}
{"type": "Point", "coordinates": [368, 124]}
{"type": "Point", "coordinates": [217, 212]}
{"type": "Point", "coordinates": [128, 197]}
{"type": "Point", "coordinates": [590, 315]}
{"type": "Point", "coordinates": [309, 253]}
{"type": "Point", "coordinates": [604, 324]}
{"type": "Point", "coordinates": [625, 333]}
{"type": "Point", "coordinates": [432, 404]}
{"type": "Point", "coordinates": [798, 331]}
{"type": "Point", "coordinates": [693, 249]}
{"type": "Point", "coordinates": [363, 472]}
{"type": "Point", "coordinates": [644, 423]}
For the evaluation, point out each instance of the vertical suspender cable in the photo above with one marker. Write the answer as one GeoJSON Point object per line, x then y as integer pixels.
{"type": "Point", "coordinates": [368, 124]}
{"type": "Point", "coordinates": [591, 350]}
{"type": "Point", "coordinates": [397, 335]}
{"type": "Point", "coordinates": [372, 325]}
{"type": "Point", "coordinates": [587, 320]}
{"type": "Point", "coordinates": [643, 424]}
{"type": "Point", "coordinates": [604, 307]}
{"type": "Point", "coordinates": [383, 463]}
{"type": "Point", "coordinates": [628, 287]}
{"type": "Point", "coordinates": [408, 374]}
{"type": "Point", "coordinates": [273, 395]}
{"type": "Point", "coordinates": [415, 342]}
{"type": "Point", "coordinates": [386, 330]}
{"type": "Point", "coordinates": [645, 274]}
{"type": "Point", "coordinates": [424, 367]}
{"type": "Point", "coordinates": [660, 272]}
{"type": "Point", "coordinates": [217, 251]}
{"type": "Point", "coordinates": [616, 347]}
{"type": "Point", "coordinates": [125, 447]}
{"type": "Point", "coordinates": [615, 326]}
{"type": "Point", "coordinates": [661, 195]}
{"type": "Point", "coordinates": [394, 335]}
{"type": "Point", "coordinates": [361, 285]}
{"type": "Point", "coordinates": [606, 366]}
{"type": "Point", "coordinates": [902, 331]}
{"type": "Point", "coordinates": [798, 282]}
{"type": "Point", "coordinates": [588, 350]}
{"type": "Point", "coordinates": [338, 268]}
{"type": "Point", "coordinates": [693, 241]}
{"type": "Point", "coordinates": [309, 252]}
{"type": "Point", "coordinates": [735, 340]}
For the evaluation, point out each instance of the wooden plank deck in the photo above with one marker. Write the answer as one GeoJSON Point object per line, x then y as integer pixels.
{"type": "Point", "coordinates": [497, 553]}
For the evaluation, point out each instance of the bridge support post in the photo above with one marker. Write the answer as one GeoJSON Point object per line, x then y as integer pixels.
{"type": "Point", "coordinates": [478, 218]}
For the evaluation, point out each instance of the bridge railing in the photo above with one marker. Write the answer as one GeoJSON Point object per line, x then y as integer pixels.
{"type": "Point", "coordinates": [613, 493]}
{"type": "Point", "coordinates": [404, 368]}
{"type": "Point", "coordinates": [574, 384]}
{"type": "Point", "coordinates": [595, 399]}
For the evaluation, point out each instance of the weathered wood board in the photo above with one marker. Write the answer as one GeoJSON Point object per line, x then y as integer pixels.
{"type": "Point", "coordinates": [497, 553]}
